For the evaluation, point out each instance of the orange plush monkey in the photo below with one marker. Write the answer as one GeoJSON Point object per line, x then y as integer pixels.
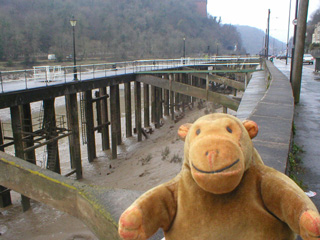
{"type": "Point", "coordinates": [224, 191]}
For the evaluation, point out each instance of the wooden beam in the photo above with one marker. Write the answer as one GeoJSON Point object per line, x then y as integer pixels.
{"type": "Point", "coordinates": [221, 80]}
{"type": "Point", "coordinates": [51, 140]}
{"type": "Point", "coordinates": [36, 94]}
{"type": "Point", "coordinates": [190, 90]}
{"type": "Point", "coordinates": [89, 204]}
{"type": "Point", "coordinates": [197, 71]}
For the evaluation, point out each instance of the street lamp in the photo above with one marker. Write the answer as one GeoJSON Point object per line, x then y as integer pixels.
{"type": "Point", "coordinates": [287, 50]}
{"type": "Point", "coordinates": [73, 23]}
{"type": "Point", "coordinates": [267, 35]}
{"type": "Point", "coordinates": [184, 50]}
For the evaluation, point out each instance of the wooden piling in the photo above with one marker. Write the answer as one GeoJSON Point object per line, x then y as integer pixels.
{"type": "Point", "coordinates": [171, 97]}
{"type": "Point", "coordinates": [30, 156]}
{"type": "Point", "coordinates": [1, 137]}
{"type": "Point", "coordinates": [104, 119]}
{"type": "Point", "coordinates": [160, 103]}
{"type": "Point", "coordinates": [5, 197]}
{"type": "Point", "coordinates": [189, 77]}
{"type": "Point", "coordinates": [49, 123]}
{"type": "Point", "coordinates": [146, 105]}
{"type": "Point", "coordinates": [74, 138]}
{"type": "Point", "coordinates": [119, 138]}
{"type": "Point", "coordinates": [207, 86]}
{"type": "Point", "coordinates": [166, 102]}
{"type": "Point", "coordinates": [127, 103]}
{"type": "Point", "coordinates": [157, 107]}
{"type": "Point", "coordinates": [114, 121]}
{"type": "Point", "coordinates": [91, 142]}
{"type": "Point", "coordinates": [98, 109]}
{"type": "Point", "coordinates": [153, 104]}
{"type": "Point", "coordinates": [183, 97]}
{"type": "Point", "coordinates": [137, 99]}
{"type": "Point", "coordinates": [192, 83]}
{"type": "Point", "coordinates": [176, 95]}
{"type": "Point", "coordinates": [225, 109]}
{"type": "Point", "coordinates": [18, 145]}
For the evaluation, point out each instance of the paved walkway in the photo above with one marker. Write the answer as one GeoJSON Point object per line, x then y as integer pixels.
{"type": "Point", "coordinates": [270, 105]}
{"type": "Point", "coordinates": [307, 123]}
{"type": "Point", "coordinates": [254, 93]}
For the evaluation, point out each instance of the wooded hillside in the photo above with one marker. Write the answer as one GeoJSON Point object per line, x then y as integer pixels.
{"type": "Point", "coordinates": [110, 29]}
{"type": "Point", "coordinates": [253, 41]}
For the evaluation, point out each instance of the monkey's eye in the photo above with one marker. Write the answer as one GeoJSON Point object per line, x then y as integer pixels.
{"type": "Point", "coordinates": [229, 129]}
{"type": "Point", "coordinates": [198, 131]}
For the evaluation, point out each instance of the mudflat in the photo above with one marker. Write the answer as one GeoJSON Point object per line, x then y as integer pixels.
{"type": "Point", "coordinates": [140, 166]}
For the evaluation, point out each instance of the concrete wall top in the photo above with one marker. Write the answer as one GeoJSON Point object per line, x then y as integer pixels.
{"type": "Point", "coordinates": [272, 109]}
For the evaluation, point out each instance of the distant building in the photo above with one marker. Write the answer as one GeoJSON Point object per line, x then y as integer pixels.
{"type": "Point", "coordinates": [202, 7]}
{"type": "Point", "coordinates": [316, 34]}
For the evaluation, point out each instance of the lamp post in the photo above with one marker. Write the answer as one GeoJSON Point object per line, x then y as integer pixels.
{"type": "Point", "coordinates": [73, 23]}
{"type": "Point", "coordinates": [287, 50]}
{"type": "Point", "coordinates": [184, 50]}
{"type": "Point", "coordinates": [267, 35]}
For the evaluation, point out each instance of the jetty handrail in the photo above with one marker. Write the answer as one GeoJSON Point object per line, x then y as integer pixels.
{"type": "Point", "coordinates": [44, 76]}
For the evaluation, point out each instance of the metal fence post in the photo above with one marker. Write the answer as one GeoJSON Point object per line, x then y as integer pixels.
{"type": "Point", "coordinates": [1, 82]}
{"type": "Point", "coordinates": [46, 80]}
{"type": "Point", "coordinates": [25, 77]}
{"type": "Point", "coordinates": [65, 75]}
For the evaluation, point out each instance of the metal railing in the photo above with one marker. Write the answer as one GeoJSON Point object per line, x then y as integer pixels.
{"type": "Point", "coordinates": [43, 76]}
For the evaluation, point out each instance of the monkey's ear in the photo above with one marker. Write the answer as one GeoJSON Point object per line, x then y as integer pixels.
{"type": "Point", "coordinates": [251, 127]}
{"type": "Point", "coordinates": [183, 130]}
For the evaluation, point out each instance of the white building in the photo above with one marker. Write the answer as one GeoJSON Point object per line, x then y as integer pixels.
{"type": "Point", "coordinates": [316, 34]}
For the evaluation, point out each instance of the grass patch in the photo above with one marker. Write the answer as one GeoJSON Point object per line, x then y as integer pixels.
{"type": "Point", "coordinates": [176, 159]}
{"type": "Point", "coordinates": [295, 167]}
{"type": "Point", "coordinates": [165, 153]}
{"type": "Point", "coordinates": [146, 160]}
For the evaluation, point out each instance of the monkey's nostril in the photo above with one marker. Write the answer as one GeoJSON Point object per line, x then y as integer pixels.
{"type": "Point", "coordinates": [207, 153]}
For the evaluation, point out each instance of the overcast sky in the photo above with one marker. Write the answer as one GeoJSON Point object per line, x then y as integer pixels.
{"type": "Point", "coordinates": [255, 13]}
